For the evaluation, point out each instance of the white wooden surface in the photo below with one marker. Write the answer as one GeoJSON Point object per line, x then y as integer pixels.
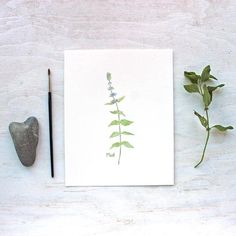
{"type": "Point", "coordinates": [33, 35]}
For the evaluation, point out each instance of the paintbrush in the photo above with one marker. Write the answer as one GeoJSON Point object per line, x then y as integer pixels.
{"type": "Point", "coordinates": [50, 122]}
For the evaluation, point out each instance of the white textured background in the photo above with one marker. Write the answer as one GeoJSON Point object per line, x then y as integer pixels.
{"type": "Point", "coordinates": [33, 35]}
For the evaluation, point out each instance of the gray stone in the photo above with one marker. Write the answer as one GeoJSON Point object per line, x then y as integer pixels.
{"type": "Point", "coordinates": [25, 138]}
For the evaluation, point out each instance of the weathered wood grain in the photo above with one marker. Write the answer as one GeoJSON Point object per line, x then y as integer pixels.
{"type": "Point", "coordinates": [33, 35]}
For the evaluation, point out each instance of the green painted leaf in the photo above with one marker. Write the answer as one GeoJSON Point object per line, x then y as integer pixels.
{"type": "Point", "coordinates": [191, 88]}
{"type": "Point", "coordinates": [114, 122]}
{"type": "Point", "coordinates": [192, 76]}
{"type": "Point", "coordinates": [118, 112]}
{"type": "Point", "coordinates": [126, 133]}
{"type": "Point", "coordinates": [114, 145]}
{"type": "Point", "coordinates": [110, 103]}
{"type": "Point", "coordinates": [120, 99]}
{"type": "Point", "coordinates": [222, 128]}
{"type": "Point", "coordinates": [202, 119]}
{"type": "Point", "coordinates": [206, 73]}
{"type": "Point", "coordinates": [127, 144]}
{"type": "Point", "coordinates": [114, 134]}
{"type": "Point", "coordinates": [108, 76]}
{"type": "Point", "coordinates": [206, 96]}
{"type": "Point", "coordinates": [125, 122]}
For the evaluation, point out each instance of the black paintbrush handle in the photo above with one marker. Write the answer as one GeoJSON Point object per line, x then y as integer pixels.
{"type": "Point", "coordinates": [50, 131]}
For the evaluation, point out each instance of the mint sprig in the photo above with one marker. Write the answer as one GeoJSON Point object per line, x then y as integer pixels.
{"type": "Point", "coordinates": [199, 85]}
{"type": "Point", "coordinates": [120, 120]}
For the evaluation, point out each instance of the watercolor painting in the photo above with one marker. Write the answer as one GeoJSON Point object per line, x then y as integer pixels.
{"type": "Point", "coordinates": [119, 128]}
{"type": "Point", "coordinates": [120, 122]}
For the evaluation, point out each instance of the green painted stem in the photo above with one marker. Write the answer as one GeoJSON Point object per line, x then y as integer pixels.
{"type": "Point", "coordinates": [119, 132]}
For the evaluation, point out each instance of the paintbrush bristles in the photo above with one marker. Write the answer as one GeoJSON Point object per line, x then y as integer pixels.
{"type": "Point", "coordinates": [49, 80]}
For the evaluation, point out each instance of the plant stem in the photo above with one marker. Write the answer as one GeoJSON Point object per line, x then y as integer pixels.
{"type": "Point", "coordinates": [200, 87]}
{"type": "Point", "coordinates": [207, 138]}
{"type": "Point", "coordinates": [119, 131]}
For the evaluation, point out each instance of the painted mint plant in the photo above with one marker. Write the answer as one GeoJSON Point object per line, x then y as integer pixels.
{"type": "Point", "coordinates": [200, 84]}
{"type": "Point", "coordinates": [120, 122]}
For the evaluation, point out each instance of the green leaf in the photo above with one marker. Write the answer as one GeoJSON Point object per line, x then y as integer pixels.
{"type": "Point", "coordinates": [213, 88]}
{"type": "Point", "coordinates": [125, 122]}
{"type": "Point", "coordinates": [114, 145]}
{"type": "Point", "coordinates": [118, 112]}
{"type": "Point", "coordinates": [222, 128]}
{"type": "Point", "coordinates": [114, 122]}
{"type": "Point", "coordinates": [127, 144]}
{"type": "Point", "coordinates": [206, 73]}
{"type": "Point", "coordinates": [191, 88]}
{"type": "Point", "coordinates": [192, 76]}
{"type": "Point", "coordinates": [213, 77]}
{"type": "Point", "coordinates": [120, 99]}
{"type": "Point", "coordinates": [110, 103]}
{"type": "Point", "coordinates": [206, 96]}
{"type": "Point", "coordinates": [114, 134]}
{"type": "Point", "coordinates": [202, 119]}
{"type": "Point", "coordinates": [126, 133]}
{"type": "Point", "coordinates": [108, 76]}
